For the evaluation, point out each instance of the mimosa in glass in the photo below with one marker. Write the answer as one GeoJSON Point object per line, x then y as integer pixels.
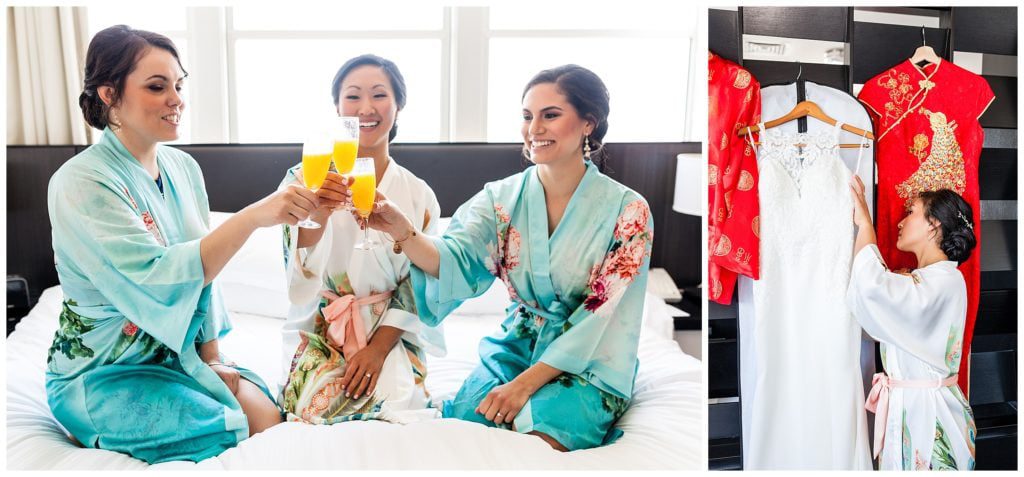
{"type": "Point", "coordinates": [346, 143]}
{"type": "Point", "coordinates": [316, 162]}
{"type": "Point", "coordinates": [364, 191]}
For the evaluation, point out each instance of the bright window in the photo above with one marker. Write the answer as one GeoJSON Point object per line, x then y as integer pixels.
{"type": "Point", "coordinates": [265, 73]}
{"type": "Point", "coordinates": [581, 16]}
{"type": "Point", "coordinates": [647, 86]}
{"type": "Point", "coordinates": [282, 85]}
{"type": "Point", "coordinates": [336, 18]}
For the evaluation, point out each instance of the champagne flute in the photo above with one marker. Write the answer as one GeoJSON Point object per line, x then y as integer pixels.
{"type": "Point", "coordinates": [364, 191]}
{"type": "Point", "coordinates": [346, 143]}
{"type": "Point", "coordinates": [316, 161]}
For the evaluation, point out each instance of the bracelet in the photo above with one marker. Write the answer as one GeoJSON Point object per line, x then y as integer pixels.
{"type": "Point", "coordinates": [218, 363]}
{"type": "Point", "coordinates": [398, 243]}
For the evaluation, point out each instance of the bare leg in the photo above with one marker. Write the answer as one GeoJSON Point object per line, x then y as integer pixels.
{"type": "Point", "coordinates": [258, 408]}
{"type": "Point", "coordinates": [550, 440]}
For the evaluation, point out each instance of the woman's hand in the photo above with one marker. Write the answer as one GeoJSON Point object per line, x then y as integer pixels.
{"type": "Point", "coordinates": [387, 218]}
{"type": "Point", "coordinates": [333, 193]}
{"type": "Point", "coordinates": [362, 371]}
{"type": "Point", "coordinates": [504, 402]}
{"type": "Point", "coordinates": [290, 205]}
{"type": "Point", "coordinates": [861, 215]}
{"type": "Point", "coordinates": [227, 374]}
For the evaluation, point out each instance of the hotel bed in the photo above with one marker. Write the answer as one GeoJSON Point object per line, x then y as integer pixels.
{"type": "Point", "coordinates": [664, 426]}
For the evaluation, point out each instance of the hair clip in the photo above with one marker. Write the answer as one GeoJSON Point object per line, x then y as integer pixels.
{"type": "Point", "coordinates": [966, 222]}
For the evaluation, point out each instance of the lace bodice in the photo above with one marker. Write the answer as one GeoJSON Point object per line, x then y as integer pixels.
{"type": "Point", "coordinates": [799, 152]}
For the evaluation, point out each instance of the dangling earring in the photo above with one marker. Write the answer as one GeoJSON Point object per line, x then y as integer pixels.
{"type": "Point", "coordinates": [586, 147]}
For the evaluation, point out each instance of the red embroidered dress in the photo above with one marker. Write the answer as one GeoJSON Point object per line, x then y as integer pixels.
{"type": "Point", "coordinates": [734, 101]}
{"type": "Point", "coordinates": [928, 138]}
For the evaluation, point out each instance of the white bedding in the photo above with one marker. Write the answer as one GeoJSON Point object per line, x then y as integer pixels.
{"type": "Point", "coordinates": [664, 426]}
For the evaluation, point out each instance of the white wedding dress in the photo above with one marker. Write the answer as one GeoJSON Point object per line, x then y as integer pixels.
{"type": "Point", "coordinates": [802, 388]}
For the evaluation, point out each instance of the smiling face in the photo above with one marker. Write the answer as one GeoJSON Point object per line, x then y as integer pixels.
{"type": "Point", "coordinates": [366, 93]}
{"type": "Point", "coordinates": [916, 231]}
{"type": "Point", "coordinates": [151, 104]}
{"type": "Point", "coordinates": [552, 129]}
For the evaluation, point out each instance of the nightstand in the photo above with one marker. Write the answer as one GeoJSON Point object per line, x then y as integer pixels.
{"type": "Point", "coordinates": [660, 284]}
{"type": "Point", "coordinates": [17, 300]}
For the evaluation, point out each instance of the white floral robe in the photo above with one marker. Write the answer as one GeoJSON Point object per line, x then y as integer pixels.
{"type": "Point", "coordinates": [314, 365]}
{"type": "Point", "coordinates": [919, 320]}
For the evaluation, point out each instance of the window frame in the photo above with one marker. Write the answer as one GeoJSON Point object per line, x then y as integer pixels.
{"type": "Point", "coordinates": [465, 36]}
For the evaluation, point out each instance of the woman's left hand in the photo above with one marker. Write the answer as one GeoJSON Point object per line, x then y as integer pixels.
{"type": "Point", "coordinates": [386, 217]}
{"type": "Point", "coordinates": [861, 215]}
{"type": "Point", "coordinates": [504, 402]}
{"type": "Point", "coordinates": [362, 371]}
{"type": "Point", "coordinates": [227, 374]}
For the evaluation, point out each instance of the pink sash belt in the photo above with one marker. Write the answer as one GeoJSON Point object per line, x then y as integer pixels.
{"type": "Point", "coordinates": [878, 399]}
{"type": "Point", "coordinates": [346, 329]}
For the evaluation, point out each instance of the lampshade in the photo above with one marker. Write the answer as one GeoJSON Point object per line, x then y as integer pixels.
{"type": "Point", "coordinates": [689, 198]}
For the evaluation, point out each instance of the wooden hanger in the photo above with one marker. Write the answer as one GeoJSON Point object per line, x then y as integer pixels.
{"type": "Point", "coordinates": [925, 53]}
{"type": "Point", "coordinates": [809, 108]}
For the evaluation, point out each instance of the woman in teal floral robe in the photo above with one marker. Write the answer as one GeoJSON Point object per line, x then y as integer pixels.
{"type": "Point", "coordinates": [135, 366]}
{"type": "Point", "coordinates": [563, 364]}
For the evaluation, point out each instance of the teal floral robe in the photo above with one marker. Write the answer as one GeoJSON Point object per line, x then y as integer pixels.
{"type": "Point", "coordinates": [577, 299]}
{"type": "Point", "coordinates": [124, 373]}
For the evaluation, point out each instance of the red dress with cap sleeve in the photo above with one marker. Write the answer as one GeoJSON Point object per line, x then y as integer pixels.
{"type": "Point", "coordinates": [928, 138]}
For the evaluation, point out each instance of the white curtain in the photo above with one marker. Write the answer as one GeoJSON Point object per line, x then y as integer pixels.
{"type": "Point", "coordinates": [45, 65]}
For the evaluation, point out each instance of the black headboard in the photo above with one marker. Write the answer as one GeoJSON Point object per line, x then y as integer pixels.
{"type": "Point", "coordinates": [239, 174]}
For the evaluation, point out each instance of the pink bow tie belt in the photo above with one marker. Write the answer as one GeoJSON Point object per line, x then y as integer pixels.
{"type": "Point", "coordinates": [346, 329]}
{"type": "Point", "coordinates": [878, 399]}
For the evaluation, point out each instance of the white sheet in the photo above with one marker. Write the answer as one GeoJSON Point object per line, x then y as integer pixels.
{"type": "Point", "coordinates": [664, 426]}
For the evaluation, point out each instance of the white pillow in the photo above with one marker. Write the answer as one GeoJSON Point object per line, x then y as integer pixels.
{"type": "Point", "coordinates": [657, 321]}
{"type": "Point", "coordinates": [494, 301]}
{"type": "Point", "coordinates": [253, 281]}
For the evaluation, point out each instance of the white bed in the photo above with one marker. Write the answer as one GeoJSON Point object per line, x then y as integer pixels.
{"type": "Point", "coordinates": [664, 426]}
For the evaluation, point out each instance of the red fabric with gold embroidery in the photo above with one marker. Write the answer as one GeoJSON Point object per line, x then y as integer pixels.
{"type": "Point", "coordinates": [734, 101]}
{"type": "Point", "coordinates": [928, 138]}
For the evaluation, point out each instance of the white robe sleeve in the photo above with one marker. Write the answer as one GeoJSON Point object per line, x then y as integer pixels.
{"type": "Point", "coordinates": [909, 312]}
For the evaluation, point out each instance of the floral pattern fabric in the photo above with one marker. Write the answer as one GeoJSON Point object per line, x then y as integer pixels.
{"type": "Point", "coordinates": [124, 373]}
{"type": "Point", "coordinates": [314, 365]}
{"type": "Point", "coordinates": [919, 322]}
{"type": "Point", "coordinates": [577, 298]}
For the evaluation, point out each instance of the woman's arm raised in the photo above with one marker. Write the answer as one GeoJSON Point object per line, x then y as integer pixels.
{"type": "Point", "coordinates": [333, 193]}
{"type": "Point", "coordinates": [286, 206]}
{"type": "Point", "coordinates": [388, 218]}
{"type": "Point", "coordinates": [861, 217]}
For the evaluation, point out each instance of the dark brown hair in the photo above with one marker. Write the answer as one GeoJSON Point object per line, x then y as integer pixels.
{"type": "Point", "coordinates": [112, 56]}
{"type": "Point", "coordinates": [956, 222]}
{"type": "Point", "coordinates": [390, 69]}
{"type": "Point", "coordinates": [585, 92]}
